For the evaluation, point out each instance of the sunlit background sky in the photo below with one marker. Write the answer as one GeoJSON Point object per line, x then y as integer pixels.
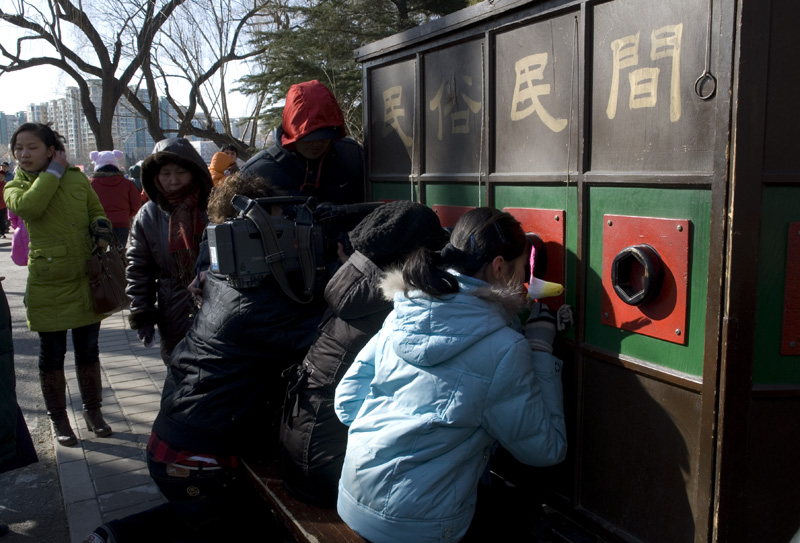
{"type": "Point", "coordinates": [43, 83]}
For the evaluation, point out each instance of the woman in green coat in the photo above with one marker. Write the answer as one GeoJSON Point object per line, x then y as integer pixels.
{"type": "Point", "coordinates": [65, 220]}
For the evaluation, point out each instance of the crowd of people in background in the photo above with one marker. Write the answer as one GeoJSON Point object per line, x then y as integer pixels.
{"type": "Point", "coordinates": [384, 394]}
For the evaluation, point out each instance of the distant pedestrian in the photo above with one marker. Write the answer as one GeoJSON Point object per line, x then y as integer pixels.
{"type": "Point", "coordinates": [118, 194]}
{"type": "Point", "coordinates": [220, 163]}
{"type": "Point", "coordinates": [135, 175]}
{"type": "Point", "coordinates": [5, 172]}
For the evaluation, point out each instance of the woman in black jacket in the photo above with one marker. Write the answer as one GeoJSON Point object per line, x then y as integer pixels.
{"type": "Point", "coordinates": [222, 391]}
{"type": "Point", "coordinates": [164, 241]}
{"type": "Point", "coordinates": [313, 440]}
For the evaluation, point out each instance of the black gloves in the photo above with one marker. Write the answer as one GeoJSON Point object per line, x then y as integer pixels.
{"type": "Point", "coordinates": [540, 330]}
{"type": "Point", "coordinates": [102, 233]}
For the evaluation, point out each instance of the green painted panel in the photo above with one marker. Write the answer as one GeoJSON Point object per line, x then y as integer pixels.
{"type": "Point", "coordinates": [453, 194]}
{"type": "Point", "coordinates": [549, 197]}
{"type": "Point", "coordinates": [780, 206]}
{"type": "Point", "coordinates": [691, 204]}
{"type": "Point", "coordinates": [393, 191]}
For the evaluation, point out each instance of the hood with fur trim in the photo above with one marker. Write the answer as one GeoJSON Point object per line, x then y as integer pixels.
{"type": "Point", "coordinates": [427, 331]}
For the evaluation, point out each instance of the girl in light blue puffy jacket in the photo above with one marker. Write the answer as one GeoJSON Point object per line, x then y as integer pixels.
{"type": "Point", "coordinates": [445, 379]}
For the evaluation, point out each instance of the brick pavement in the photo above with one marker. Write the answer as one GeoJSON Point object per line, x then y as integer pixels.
{"type": "Point", "coordinates": [107, 478]}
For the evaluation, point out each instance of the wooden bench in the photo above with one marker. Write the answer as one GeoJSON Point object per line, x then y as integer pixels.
{"type": "Point", "coordinates": [307, 523]}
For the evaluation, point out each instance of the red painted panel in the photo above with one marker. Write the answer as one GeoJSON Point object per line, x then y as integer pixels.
{"type": "Point", "coordinates": [549, 224]}
{"type": "Point", "coordinates": [790, 336]}
{"type": "Point", "coordinates": [665, 316]}
{"type": "Point", "coordinates": [449, 215]}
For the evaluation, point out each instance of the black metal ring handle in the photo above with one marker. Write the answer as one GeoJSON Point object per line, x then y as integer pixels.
{"type": "Point", "coordinates": [637, 274]}
{"type": "Point", "coordinates": [705, 81]}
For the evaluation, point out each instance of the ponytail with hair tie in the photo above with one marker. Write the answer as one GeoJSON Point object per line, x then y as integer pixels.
{"type": "Point", "coordinates": [484, 233]}
{"type": "Point", "coordinates": [452, 257]}
{"type": "Point", "coordinates": [449, 256]}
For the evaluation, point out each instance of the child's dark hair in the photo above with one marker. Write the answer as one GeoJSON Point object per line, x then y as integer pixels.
{"type": "Point", "coordinates": [230, 147]}
{"type": "Point", "coordinates": [50, 137]}
{"type": "Point", "coordinates": [479, 236]}
{"type": "Point", "coordinates": [220, 208]}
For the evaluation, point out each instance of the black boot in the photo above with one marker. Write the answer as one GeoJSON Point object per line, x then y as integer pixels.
{"type": "Point", "coordinates": [54, 390]}
{"type": "Point", "coordinates": [92, 395]}
{"type": "Point", "coordinates": [103, 534]}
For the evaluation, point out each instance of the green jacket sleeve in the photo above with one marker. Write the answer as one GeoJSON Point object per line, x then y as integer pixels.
{"type": "Point", "coordinates": [29, 199]}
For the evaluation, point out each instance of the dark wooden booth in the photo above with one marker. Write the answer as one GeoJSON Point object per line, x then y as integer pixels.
{"type": "Point", "coordinates": [653, 146]}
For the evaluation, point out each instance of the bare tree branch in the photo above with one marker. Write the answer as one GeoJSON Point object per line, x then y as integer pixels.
{"type": "Point", "coordinates": [104, 66]}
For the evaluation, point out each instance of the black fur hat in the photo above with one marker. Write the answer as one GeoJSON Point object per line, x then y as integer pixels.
{"type": "Point", "coordinates": [391, 232]}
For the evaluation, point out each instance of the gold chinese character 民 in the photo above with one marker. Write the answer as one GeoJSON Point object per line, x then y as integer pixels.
{"type": "Point", "coordinates": [526, 100]}
{"type": "Point", "coordinates": [392, 111]}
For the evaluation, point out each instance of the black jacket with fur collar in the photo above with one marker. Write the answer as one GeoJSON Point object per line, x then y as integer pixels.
{"type": "Point", "coordinates": [313, 440]}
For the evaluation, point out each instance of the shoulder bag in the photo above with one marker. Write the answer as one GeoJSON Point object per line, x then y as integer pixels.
{"type": "Point", "coordinates": [107, 279]}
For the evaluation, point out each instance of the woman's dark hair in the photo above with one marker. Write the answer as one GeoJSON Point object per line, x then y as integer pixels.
{"type": "Point", "coordinates": [50, 137]}
{"type": "Point", "coordinates": [220, 208]}
{"type": "Point", "coordinates": [479, 236]}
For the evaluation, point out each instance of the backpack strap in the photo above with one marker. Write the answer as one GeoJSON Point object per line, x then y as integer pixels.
{"type": "Point", "coordinates": [275, 256]}
{"type": "Point", "coordinates": [303, 224]}
{"type": "Point", "coordinates": [285, 161]}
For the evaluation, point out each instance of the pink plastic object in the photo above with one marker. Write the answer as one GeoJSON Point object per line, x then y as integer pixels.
{"type": "Point", "coordinates": [19, 241]}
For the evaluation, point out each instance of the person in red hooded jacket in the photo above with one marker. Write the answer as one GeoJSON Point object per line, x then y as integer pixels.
{"type": "Point", "coordinates": [118, 195]}
{"type": "Point", "coordinates": [311, 155]}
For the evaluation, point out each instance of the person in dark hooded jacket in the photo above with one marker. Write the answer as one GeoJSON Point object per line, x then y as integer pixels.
{"type": "Point", "coordinates": [311, 155]}
{"type": "Point", "coordinates": [313, 440]}
{"type": "Point", "coordinates": [164, 241]}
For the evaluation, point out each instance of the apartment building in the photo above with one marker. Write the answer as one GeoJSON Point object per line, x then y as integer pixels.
{"type": "Point", "coordinates": [129, 129]}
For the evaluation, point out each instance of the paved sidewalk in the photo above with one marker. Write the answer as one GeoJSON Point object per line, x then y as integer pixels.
{"type": "Point", "coordinates": [107, 478]}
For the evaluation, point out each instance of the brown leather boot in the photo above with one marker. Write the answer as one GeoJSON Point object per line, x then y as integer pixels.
{"type": "Point", "coordinates": [92, 395]}
{"type": "Point", "coordinates": [54, 390]}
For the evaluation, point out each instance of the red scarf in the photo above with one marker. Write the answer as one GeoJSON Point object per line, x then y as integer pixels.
{"type": "Point", "coordinates": [186, 224]}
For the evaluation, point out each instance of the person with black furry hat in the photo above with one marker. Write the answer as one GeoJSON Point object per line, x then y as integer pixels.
{"type": "Point", "coordinates": [313, 440]}
{"type": "Point", "coordinates": [164, 241]}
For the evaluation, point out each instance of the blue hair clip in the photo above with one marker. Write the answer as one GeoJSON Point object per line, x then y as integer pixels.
{"type": "Point", "coordinates": [473, 245]}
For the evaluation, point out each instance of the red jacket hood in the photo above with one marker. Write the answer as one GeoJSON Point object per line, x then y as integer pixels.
{"type": "Point", "coordinates": [309, 107]}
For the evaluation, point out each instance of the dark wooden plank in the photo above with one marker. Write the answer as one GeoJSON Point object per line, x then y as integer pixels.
{"type": "Point", "coordinates": [306, 522]}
